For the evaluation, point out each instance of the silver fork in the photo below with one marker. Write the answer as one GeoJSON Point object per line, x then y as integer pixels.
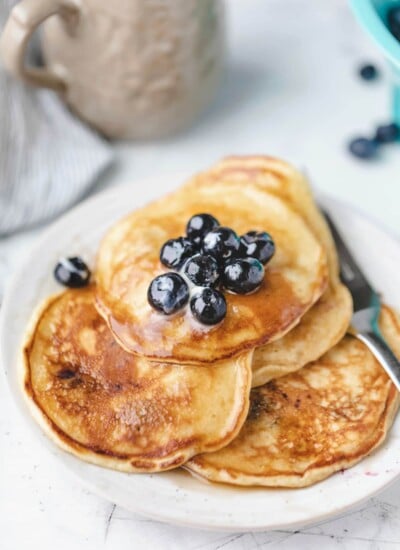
{"type": "Point", "coordinates": [367, 305]}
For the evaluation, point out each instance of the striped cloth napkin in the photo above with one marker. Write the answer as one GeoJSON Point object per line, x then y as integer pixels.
{"type": "Point", "coordinates": [48, 158]}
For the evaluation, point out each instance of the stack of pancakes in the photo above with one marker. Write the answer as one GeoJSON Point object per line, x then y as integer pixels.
{"type": "Point", "coordinates": [275, 395]}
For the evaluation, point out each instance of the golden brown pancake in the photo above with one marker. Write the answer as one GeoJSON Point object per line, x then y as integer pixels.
{"type": "Point", "coordinates": [128, 260]}
{"type": "Point", "coordinates": [319, 330]}
{"type": "Point", "coordinates": [327, 321]}
{"type": "Point", "coordinates": [120, 411]}
{"type": "Point", "coordinates": [305, 426]}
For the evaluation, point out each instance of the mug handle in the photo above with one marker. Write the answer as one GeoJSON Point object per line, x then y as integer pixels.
{"type": "Point", "coordinates": [24, 18]}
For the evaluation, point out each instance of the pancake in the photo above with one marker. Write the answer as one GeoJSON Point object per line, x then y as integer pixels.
{"type": "Point", "coordinates": [318, 331]}
{"type": "Point", "coordinates": [123, 412]}
{"type": "Point", "coordinates": [128, 260]}
{"type": "Point", "coordinates": [305, 426]}
{"type": "Point", "coordinates": [327, 321]}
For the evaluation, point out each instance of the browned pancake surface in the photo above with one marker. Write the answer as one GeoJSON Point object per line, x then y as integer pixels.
{"type": "Point", "coordinates": [120, 411]}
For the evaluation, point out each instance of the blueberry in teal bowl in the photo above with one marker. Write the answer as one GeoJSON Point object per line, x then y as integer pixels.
{"type": "Point", "coordinates": [394, 21]}
{"type": "Point", "coordinates": [222, 243]}
{"type": "Point", "coordinates": [201, 270]}
{"type": "Point", "coordinates": [199, 225]}
{"type": "Point", "coordinates": [243, 275]}
{"type": "Point", "coordinates": [168, 293]}
{"type": "Point", "coordinates": [72, 272]}
{"type": "Point", "coordinates": [175, 252]}
{"type": "Point", "coordinates": [208, 306]}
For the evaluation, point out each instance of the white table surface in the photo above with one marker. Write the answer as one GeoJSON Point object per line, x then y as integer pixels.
{"type": "Point", "coordinates": [290, 90]}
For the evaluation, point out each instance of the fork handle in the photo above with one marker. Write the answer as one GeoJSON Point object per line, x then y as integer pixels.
{"type": "Point", "coordinates": [383, 354]}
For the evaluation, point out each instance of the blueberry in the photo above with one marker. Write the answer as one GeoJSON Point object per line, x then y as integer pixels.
{"type": "Point", "coordinates": [368, 72]}
{"type": "Point", "coordinates": [202, 270]}
{"type": "Point", "coordinates": [175, 252]}
{"type": "Point", "coordinates": [208, 306]}
{"type": "Point", "coordinates": [387, 133]}
{"type": "Point", "coordinates": [199, 225]}
{"type": "Point", "coordinates": [243, 275]}
{"type": "Point", "coordinates": [363, 148]}
{"type": "Point", "coordinates": [222, 243]}
{"type": "Point", "coordinates": [257, 244]}
{"type": "Point", "coordinates": [168, 293]}
{"type": "Point", "coordinates": [72, 272]}
{"type": "Point", "coordinates": [394, 21]}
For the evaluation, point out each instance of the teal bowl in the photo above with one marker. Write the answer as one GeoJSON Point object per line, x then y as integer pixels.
{"type": "Point", "coordinates": [372, 16]}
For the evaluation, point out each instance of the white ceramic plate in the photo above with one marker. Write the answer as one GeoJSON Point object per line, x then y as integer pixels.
{"type": "Point", "coordinates": [176, 497]}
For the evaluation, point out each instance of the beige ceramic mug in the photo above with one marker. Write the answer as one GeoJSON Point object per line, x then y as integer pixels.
{"type": "Point", "coordinates": [130, 68]}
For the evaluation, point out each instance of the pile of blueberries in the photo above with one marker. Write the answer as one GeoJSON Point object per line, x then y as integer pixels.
{"type": "Point", "coordinates": [207, 260]}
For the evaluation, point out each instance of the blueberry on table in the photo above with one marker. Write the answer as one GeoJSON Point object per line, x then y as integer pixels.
{"type": "Point", "coordinates": [257, 244]}
{"type": "Point", "coordinates": [394, 21]}
{"type": "Point", "coordinates": [72, 272]}
{"type": "Point", "coordinates": [222, 243]}
{"type": "Point", "coordinates": [168, 293]}
{"type": "Point", "coordinates": [363, 148]}
{"type": "Point", "coordinates": [202, 270]}
{"type": "Point", "coordinates": [175, 252]}
{"type": "Point", "coordinates": [199, 225]}
{"type": "Point", "coordinates": [387, 133]}
{"type": "Point", "coordinates": [243, 275]}
{"type": "Point", "coordinates": [368, 72]}
{"type": "Point", "coordinates": [208, 306]}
